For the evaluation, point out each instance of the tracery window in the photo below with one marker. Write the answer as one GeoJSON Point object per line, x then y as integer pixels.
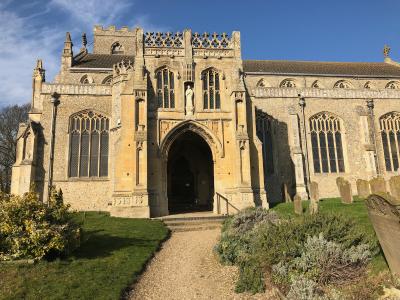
{"type": "Point", "coordinates": [86, 79]}
{"type": "Point", "coordinates": [165, 88]}
{"type": "Point", "coordinates": [343, 84]}
{"type": "Point", "coordinates": [117, 48]}
{"type": "Point", "coordinates": [390, 134]}
{"type": "Point", "coordinates": [289, 83]}
{"type": "Point", "coordinates": [265, 134]}
{"type": "Point", "coordinates": [211, 89]}
{"type": "Point", "coordinates": [108, 80]}
{"type": "Point", "coordinates": [393, 85]}
{"type": "Point", "coordinates": [89, 143]}
{"type": "Point", "coordinates": [326, 143]}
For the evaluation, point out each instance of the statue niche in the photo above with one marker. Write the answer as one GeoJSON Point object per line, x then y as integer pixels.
{"type": "Point", "coordinates": [189, 105]}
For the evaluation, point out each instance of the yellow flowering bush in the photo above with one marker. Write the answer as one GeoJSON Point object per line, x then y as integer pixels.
{"type": "Point", "coordinates": [31, 229]}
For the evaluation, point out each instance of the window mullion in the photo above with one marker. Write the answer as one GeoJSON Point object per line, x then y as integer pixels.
{"type": "Point", "coordinates": [79, 149]}
{"type": "Point", "coordinates": [320, 153]}
{"type": "Point", "coordinates": [335, 151]}
{"type": "Point", "coordinates": [99, 151]}
{"type": "Point", "coordinates": [327, 148]}
{"type": "Point", "coordinates": [390, 150]}
{"type": "Point", "coordinates": [90, 148]}
{"type": "Point", "coordinates": [397, 146]}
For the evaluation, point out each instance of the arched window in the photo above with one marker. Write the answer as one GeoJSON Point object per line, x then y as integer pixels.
{"type": "Point", "coordinates": [369, 85]}
{"type": "Point", "coordinates": [390, 133]}
{"type": "Point", "coordinates": [165, 88]}
{"type": "Point", "coordinates": [265, 132]}
{"type": "Point", "coordinates": [288, 83]}
{"type": "Point", "coordinates": [89, 134]}
{"type": "Point", "coordinates": [343, 84]}
{"type": "Point", "coordinates": [261, 83]}
{"type": "Point", "coordinates": [211, 93]}
{"type": "Point", "coordinates": [86, 79]}
{"type": "Point", "coordinates": [108, 80]}
{"type": "Point", "coordinates": [316, 84]}
{"type": "Point", "coordinates": [326, 143]}
{"type": "Point", "coordinates": [117, 48]}
{"type": "Point", "coordinates": [393, 85]}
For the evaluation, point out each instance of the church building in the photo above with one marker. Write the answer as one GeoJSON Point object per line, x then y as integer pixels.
{"type": "Point", "coordinates": [150, 124]}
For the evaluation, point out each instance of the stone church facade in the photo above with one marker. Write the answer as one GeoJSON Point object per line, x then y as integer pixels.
{"type": "Point", "coordinates": [150, 124]}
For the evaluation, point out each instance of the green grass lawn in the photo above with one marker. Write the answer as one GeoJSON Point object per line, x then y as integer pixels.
{"type": "Point", "coordinates": [112, 255]}
{"type": "Point", "coordinates": [357, 211]}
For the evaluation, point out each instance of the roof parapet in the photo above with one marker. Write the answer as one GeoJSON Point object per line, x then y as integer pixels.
{"type": "Point", "coordinates": [112, 30]}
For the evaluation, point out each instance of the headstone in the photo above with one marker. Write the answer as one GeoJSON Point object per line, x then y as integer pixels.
{"type": "Point", "coordinates": [298, 206]}
{"type": "Point", "coordinates": [345, 191]}
{"type": "Point", "coordinates": [286, 193]}
{"type": "Point", "coordinates": [363, 188]}
{"type": "Point", "coordinates": [314, 197]}
{"type": "Point", "coordinates": [394, 184]}
{"type": "Point", "coordinates": [377, 185]}
{"type": "Point", "coordinates": [384, 213]}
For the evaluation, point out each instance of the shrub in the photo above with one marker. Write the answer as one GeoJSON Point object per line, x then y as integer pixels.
{"type": "Point", "coordinates": [237, 231]}
{"type": "Point", "coordinates": [30, 229]}
{"type": "Point", "coordinates": [324, 262]}
{"type": "Point", "coordinates": [284, 247]}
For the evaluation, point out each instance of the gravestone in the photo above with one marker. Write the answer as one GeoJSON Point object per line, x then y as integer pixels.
{"type": "Point", "coordinates": [363, 188]}
{"type": "Point", "coordinates": [286, 193]}
{"type": "Point", "coordinates": [384, 213]}
{"type": "Point", "coordinates": [314, 197]}
{"type": "Point", "coordinates": [394, 184]}
{"type": "Point", "coordinates": [298, 206]}
{"type": "Point", "coordinates": [377, 185]}
{"type": "Point", "coordinates": [345, 191]}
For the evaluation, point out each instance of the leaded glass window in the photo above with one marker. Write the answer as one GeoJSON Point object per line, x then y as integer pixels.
{"type": "Point", "coordinates": [165, 88]}
{"type": "Point", "coordinates": [326, 143]}
{"type": "Point", "coordinates": [89, 135]}
{"type": "Point", "coordinates": [390, 134]}
{"type": "Point", "coordinates": [264, 129]}
{"type": "Point", "coordinates": [211, 90]}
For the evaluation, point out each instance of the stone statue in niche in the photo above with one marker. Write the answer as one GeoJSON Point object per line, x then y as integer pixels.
{"type": "Point", "coordinates": [189, 100]}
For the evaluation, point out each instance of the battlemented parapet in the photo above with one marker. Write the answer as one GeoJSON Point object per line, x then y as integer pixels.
{"type": "Point", "coordinates": [114, 41]}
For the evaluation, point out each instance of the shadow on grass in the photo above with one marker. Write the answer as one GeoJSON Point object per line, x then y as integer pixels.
{"type": "Point", "coordinates": [97, 244]}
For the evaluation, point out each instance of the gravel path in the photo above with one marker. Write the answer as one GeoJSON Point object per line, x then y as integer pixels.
{"type": "Point", "coordinates": [186, 268]}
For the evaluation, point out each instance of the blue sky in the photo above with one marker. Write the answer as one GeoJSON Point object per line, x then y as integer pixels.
{"type": "Point", "coordinates": [352, 30]}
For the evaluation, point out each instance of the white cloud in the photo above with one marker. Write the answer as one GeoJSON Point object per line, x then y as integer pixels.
{"type": "Point", "coordinates": [22, 40]}
{"type": "Point", "coordinates": [20, 46]}
{"type": "Point", "coordinates": [91, 12]}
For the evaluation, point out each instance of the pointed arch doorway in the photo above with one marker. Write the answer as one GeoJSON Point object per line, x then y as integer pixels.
{"type": "Point", "coordinates": [190, 174]}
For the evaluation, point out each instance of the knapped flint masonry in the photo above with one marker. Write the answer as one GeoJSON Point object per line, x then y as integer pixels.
{"type": "Point", "coordinates": [155, 123]}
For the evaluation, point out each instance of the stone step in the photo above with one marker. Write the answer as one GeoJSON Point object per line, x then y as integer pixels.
{"type": "Point", "coordinates": [189, 219]}
{"type": "Point", "coordinates": [195, 227]}
{"type": "Point", "coordinates": [191, 222]}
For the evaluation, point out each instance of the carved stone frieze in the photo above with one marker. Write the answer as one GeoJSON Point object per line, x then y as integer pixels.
{"type": "Point", "coordinates": [127, 200]}
{"type": "Point", "coordinates": [213, 53]}
{"type": "Point", "coordinates": [271, 92]}
{"type": "Point", "coordinates": [76, 89]}
{"type": "Point", "coordinates": [163, 52]}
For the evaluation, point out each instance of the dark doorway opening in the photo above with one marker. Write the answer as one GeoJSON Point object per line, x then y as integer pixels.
{"type": "Point", "coordinates": [190, 179]}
